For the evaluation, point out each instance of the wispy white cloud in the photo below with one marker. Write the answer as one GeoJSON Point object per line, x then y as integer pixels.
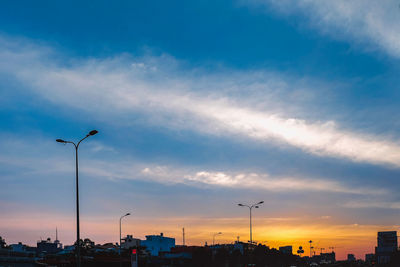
{"type": "Point", "coordinates": [100, 147]}
{"type": "Point", "coordinates": [370, 22]}
{"type": "Point", "coordinates": [124, 168]}
{"type": "Point", "coordinates": [191, 100]}
{"type": "Point", "coordinates": [372, 204]}
{"type": "Point", "coordinates": [260, 181]}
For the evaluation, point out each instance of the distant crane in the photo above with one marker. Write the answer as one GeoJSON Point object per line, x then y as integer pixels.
{"type": "Point", "coordinates": [313, 249]}
{"type": "Point", "coordinates": [318, 248]}
{"type": "Point", "coordinates": [332, 248]}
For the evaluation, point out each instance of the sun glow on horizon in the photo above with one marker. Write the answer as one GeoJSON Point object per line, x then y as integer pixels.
{"type": "Point", "coordinates": [273, 232]}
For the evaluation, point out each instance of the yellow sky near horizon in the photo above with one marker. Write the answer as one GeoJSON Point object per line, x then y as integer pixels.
{"type": "Point", "coordinates": [346, 238]}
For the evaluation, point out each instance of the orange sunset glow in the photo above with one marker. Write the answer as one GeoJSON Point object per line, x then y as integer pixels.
{"type": "Point", "coordinates": [274, 232]}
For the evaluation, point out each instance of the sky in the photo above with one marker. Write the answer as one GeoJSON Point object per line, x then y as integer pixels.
{"type": "Point", "coordinates": [201, 105]}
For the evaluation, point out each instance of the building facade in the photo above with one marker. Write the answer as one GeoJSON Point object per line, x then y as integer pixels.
{"type": "Point", "coordinates": [48, 247]}
{"type": "Point", "coordinates": [351, 257]}
{"type": "Point", "coordinates": [130, 242]}
{"type": "Point", "coordinates": [370, 258]}
{"type": "Point", "coordinates": [158, 243]}
{"type": "Point", "coordinates": [387, 245]}
{"type": "Point", "coordinates": [286, 249]}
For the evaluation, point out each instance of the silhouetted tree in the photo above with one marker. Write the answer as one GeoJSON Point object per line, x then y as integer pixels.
{"type": "Point", "coordinates": [2, 243]}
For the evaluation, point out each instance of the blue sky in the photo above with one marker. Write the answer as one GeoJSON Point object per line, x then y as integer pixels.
{"type": "Point", "coordinates": [201, 105]}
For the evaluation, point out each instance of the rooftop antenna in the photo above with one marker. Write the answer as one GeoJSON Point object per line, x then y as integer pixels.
{"type": "Point", "coordinates": [56, 233]}
{"type": "Point", "coordinates": [310, 248]}
{"type": "Point", "coordinates": [183, 236]}
{"type": "Point", "coordinates": [238, 238]}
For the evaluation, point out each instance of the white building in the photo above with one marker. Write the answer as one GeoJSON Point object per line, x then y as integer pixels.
{"type": "Point", "coordinates": [130, 242]}
{"type": "Point", "coordinates": [158, 243]}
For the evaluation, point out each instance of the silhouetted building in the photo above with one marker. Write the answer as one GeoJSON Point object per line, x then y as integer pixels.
{"type": "Point", "coordinates": [158, 243]}
{"type": "Point", "coordinates": [48, 247]}
{"type": "Point", "coordinates": [370, 258]}
{"type": "Point", "coordinates": [18, 247]}
{"type": "Point", "coordinates": [22, 249]}
{"type": "Point", "coordinates": [240, 246]}
{"type": "Point", "coordinates": [328, 257]}
{"type": "Point", "coordinates": [286, 249]}
{"type": "Point", "coordinates": [387, 245]}
{"type": "Point", "coordinates": [323, 258]}
{"type": "Point", "coordinates": [181, 252]}
{"type": "Point", "coordinates": [129, 242]}
{"type": "Point", "coordinates": [108, 246]}
{"type": "Point", "coordinates": [70, 248]}
{"type": "Point", "coordinates": [351, 257]}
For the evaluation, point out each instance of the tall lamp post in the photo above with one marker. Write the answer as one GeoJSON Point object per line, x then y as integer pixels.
{"type": "Point", "coordinates": [219, 233]}
{"type": "Point", "coordinates": [250, 208]}
{"type": "Point", "coordinates": [78, 245]}
{"type": "Point", "coordinates": [120, 238]}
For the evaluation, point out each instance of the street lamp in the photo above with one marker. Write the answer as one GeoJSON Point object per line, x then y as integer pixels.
{"type": "Point", "coordinates": [120, 238]}
{"type": "Point", "coordinates": [219, 233]}
{"type": "Point", "coordinates": [78, 254]}
{"type": "Point", "coordinates": [250, 208]}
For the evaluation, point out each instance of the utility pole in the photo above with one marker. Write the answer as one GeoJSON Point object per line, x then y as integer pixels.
{"type": "Point", "coordinates": [250, 208]}
{"type": "Point", "coordinates": [219, 233]}
{"type": "Point", "coordinates": [78, 238]}
{"type": "Point", "coordinates": [183, 236]}
{"type": "Point", "coordinates": [120, 237]}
